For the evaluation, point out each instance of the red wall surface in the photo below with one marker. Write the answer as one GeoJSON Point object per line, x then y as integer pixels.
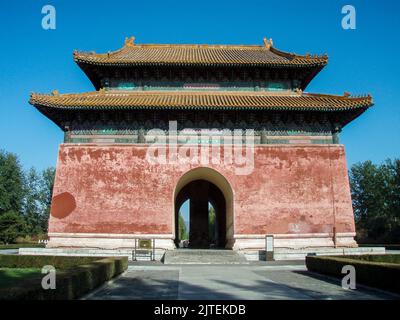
{"type": "Point", "coordinates": [114, 189]}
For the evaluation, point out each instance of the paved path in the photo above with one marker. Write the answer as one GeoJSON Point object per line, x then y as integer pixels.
{"type": "Point", "coordinates": [207, 282]}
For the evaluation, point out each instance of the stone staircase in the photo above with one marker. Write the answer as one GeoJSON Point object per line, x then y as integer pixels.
{"type": "Point", "coordinates": [204, 256]}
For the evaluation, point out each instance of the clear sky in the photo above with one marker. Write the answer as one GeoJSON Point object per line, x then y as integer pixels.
{"type": "Point", "coordinates": [362, 61]}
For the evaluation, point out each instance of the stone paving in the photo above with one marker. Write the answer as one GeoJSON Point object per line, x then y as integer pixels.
{"type": "Point", "coordinates": [205, 256]}
{"type": "Point", "coordinates": [258, 281]}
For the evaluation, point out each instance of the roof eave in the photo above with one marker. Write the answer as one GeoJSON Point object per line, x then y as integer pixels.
{"type": "Point", "coordinates": [113, 63]}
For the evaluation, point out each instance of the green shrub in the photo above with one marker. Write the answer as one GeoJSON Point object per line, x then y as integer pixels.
{"type": "Point", "coordinates": [388, 258]}
{"type": "Point", "coordinates": [34, 261]}
{"type": "Point", "coordinates": [24, 239]}
{"type": "Point", "coordinates": [22, 245]}
{"type": "Point", "coordinates": [75, 276]}
{"type": "Point", "coordinates": [369, 270]}
{"type": "Point", "coordinates": [12, 225]}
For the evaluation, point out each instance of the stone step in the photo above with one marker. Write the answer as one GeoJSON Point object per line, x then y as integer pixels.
{"type": "Point", "coordinates": [207, 256]}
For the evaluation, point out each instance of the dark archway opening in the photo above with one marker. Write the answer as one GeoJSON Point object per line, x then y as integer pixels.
{"type": "Point", "coordinates": [205, 200]}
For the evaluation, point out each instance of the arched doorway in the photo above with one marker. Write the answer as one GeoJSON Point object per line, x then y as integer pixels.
{"type": "Point", "coordinates": [210, 209]}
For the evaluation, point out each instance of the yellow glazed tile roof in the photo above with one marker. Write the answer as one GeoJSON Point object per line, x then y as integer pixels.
{"type": "Point", "coordinates": [207, 100]}
{"type": "Point", "coordinates": [191, 54]}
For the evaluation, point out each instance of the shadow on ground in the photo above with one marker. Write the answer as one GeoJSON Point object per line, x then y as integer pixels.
{"type": "Point", "coordinates": [219, 283]}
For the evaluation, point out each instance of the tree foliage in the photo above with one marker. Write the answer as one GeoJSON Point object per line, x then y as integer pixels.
{"type": "Point", "coordinates": [211, 224]}
{"type": "Point", "coordinates": [25, 199]}
{"type": "Point", "coordinates": [46, 194]}
{"type": "Point", "coordinates": [183, 234]}
{"type": "Point", "coordinates": [375, 192]}
{"type": "Point", "coordinates": [37, 199]}
{"type": "Point", "coordinates": [12, 225]}
{"type": "Point", "coordinates": [11, 183]}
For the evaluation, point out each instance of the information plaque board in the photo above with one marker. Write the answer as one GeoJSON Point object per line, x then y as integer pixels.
{"type": "Point", "coordinates": [269, 247]}
{"type": "Point", "coordinates": [144, 248]}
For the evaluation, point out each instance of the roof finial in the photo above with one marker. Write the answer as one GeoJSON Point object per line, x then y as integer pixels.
{"type": "Point", "coordinates": [298, 91]}
{"type": "Point", "coordinates": [268, 43]}
{"type": "Point", "coordinates": [55, 92]}
{"type": "Point", "coordinates": [130, 41]}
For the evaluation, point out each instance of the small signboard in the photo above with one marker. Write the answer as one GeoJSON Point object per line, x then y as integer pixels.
{"type": "Point", "coordinates": [144, 248]}
{"type": "Point", "coordinates": [269, 247]}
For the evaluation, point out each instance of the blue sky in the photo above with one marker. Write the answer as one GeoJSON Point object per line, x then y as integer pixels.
{"type": "Point", "coordinates": [361, 61]}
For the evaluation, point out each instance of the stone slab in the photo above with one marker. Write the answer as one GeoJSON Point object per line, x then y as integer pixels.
{"type": "Point", "coordinates": [195, 256]}
{"type": "Point", "coordinates": [87, 252]}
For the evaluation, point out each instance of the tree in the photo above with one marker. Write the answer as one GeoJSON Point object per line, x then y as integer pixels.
{"type": "Point", "coordinates": [182, 228]}
{"type": "Point", "coordinates": [31, 206]}
{"type": "Point", "coordinates": [37, 199]}
{"type": "Point", "coordinates": [12, 226]}
{"type": "Point", "coordinates": [375, 192]}
{"type": "Point", "coordinates": [45, 195]}
{"type": "Point", "coordinates": [393, 198]}
{"type": "Point", "coordinates": [24, 198]}
{"type": "Point", "coordinates": [11, 197]}
{"type": "Point", "coordinates": [11, 183]}
{"type": "Point", "coordinates": [211, 224]}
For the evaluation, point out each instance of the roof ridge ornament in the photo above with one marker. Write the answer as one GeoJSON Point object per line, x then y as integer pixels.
{"type": "Point", "coordinates": [129, 41]}
{"type": "Point", "coordinates": [298, 91]}
{"type": "Point", "coordinates": [268, 43]}
{"type": "Point", "coordinates": [55, 93]}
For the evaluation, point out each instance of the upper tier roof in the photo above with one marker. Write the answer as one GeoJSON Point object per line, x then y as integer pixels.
{"type": "Point", "coordinates": [132, 54]}
{"type": "Point", "coordinates": [209, 100]}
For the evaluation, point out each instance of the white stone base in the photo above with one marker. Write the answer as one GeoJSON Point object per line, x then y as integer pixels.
{"type": "Point", "coordinates": [166, 241]}
{"type": "Point", "coordinates": [77, 252]}
{"type": "Point", "coordinates": [286, 246]}
{"type": "Point", "coordinates": [298, 246]}
{"type": "Point", "coordinates": [107, 241]}
{"type": "Point", "coordinates": [300, 254]}
{"type": "Point", "coordinates": [295, 241]}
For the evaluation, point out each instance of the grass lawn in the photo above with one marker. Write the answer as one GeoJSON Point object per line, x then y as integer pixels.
{"type": "Point", "coordinates": [10, 276]}
{"type": "Point", "coordinates": [20, 275]}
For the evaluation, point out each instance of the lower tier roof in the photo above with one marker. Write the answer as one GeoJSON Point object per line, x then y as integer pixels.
{"type": "Point", "coordinates": [200, 100]}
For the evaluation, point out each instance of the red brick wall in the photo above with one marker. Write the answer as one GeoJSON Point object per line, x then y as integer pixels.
{"type": "Point", "coordinates": [114, 189]}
